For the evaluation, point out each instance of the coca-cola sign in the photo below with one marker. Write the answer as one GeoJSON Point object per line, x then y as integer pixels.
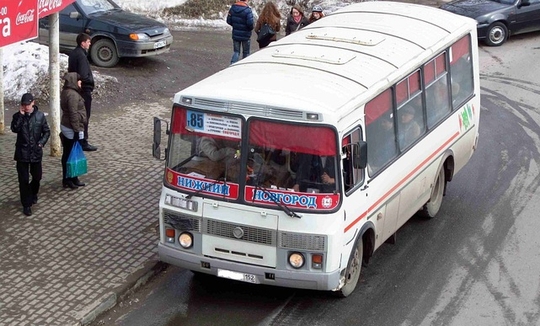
{"type": "Point", "coordinates": [19, 18]}
{"type": "Point", "coordinates": [47, 7]}
{"type": "Point", "coordinates": [18, 21]}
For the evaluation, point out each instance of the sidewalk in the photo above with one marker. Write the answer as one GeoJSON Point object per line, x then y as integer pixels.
{"type": "Point", "coordinates": [82, 249]}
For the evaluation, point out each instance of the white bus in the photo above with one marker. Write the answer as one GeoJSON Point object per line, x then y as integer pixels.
{"type": "Point", "coordinates": [322, 146]}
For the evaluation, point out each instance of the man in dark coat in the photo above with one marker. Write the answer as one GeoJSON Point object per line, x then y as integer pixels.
{"type": "Point", "coordinates": [315, 172]}
{"type": "Point", "coordinates": [240, 17]}
{"type": "Point", "coordinates": [33, 132]}
{"type": "Point", "coordinates": [78, 62]}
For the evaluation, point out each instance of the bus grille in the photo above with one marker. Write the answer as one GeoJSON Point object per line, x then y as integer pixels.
{"type": "Point", "coordinates": [252, 109]}
{"type": "Point", "coordinates": [204, 103]}
{"type": "Point", "coordinates": [249, 234]}
{"type": "Point", "coordinates": [182, 222]}
{"type": "Point", "coordinates": [303, 241]}
{"type": "Point", "coordinates": [266, 111]}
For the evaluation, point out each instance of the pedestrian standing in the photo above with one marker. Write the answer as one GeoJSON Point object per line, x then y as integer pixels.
{"type": "Point", "coordinates": [33, 132]}
{"type": "Point", "coordinates": [316, 14]}
{"type": "Point", "coordinates": [72, 122]}
{"type": "Point", "coordinates": [271, 16]}
{"type": "Point", "coordinates": [296, 20]}
{"type": "Point", "coordinates": [78, 62]}
{"type": "Point", "coordinates": [240, 17]}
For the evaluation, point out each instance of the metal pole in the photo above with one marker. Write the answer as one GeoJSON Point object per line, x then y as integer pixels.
{"type": "Point", "coordinates": [54, 87]}
{"type": "Point", "coordinates": [2, 125]}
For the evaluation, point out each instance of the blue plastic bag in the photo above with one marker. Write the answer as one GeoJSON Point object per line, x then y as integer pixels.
{"type": "Point", "coordinates": [76, 163]}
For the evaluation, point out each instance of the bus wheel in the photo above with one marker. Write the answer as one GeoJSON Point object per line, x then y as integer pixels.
{"type": "Point", "coordinates": [431, 208]}
{"type": "Point", "coordinates": [354, 267]}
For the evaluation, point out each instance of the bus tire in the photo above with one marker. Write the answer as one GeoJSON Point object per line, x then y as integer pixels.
{"type": "Point", "coordinates": [432, 207]}
{"type": "Point", "coordinates": [354, 267]}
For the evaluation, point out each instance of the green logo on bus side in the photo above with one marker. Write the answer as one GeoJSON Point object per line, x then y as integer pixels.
{"type": "Point", "coordinates": [466, 117]}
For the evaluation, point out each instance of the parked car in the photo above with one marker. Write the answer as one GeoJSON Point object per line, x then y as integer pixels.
{"type": "Point", "coordinates": [498, 19]}
{"type": "Point", "coordinates": [115, 33]}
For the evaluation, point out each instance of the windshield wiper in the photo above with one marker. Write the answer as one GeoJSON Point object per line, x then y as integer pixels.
{"type": "Point", "coordinates": [283, 207]}
{"type": "Point", "coordinates": [210, 184]}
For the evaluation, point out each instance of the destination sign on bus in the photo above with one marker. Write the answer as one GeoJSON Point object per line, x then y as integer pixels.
{"type": "Point", "coordinates": [214, 124]}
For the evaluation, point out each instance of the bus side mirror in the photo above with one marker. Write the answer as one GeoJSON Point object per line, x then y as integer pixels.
{"type": "Point", "coordinates": [156, 145]}
{"type": "Point", "coordinates": [360, 155]}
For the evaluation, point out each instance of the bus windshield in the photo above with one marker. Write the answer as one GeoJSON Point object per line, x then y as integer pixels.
{"type": "Point", "coordinates": [273, 163]}
{"type": "Point", "coordinates": [292, 157]}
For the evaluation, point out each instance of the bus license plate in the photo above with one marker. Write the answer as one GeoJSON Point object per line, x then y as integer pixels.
{"type": "Point", "coordinates": [160, 44]}
{"type": "Point", "coordinates": [244, 277]}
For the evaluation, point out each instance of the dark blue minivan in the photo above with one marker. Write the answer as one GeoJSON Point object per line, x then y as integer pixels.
{"type": "Point", "coordinates": [115, 32]}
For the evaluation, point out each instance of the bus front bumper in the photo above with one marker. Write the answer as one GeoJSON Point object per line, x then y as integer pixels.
{"type": "Point", "coordinates": [264, 275]}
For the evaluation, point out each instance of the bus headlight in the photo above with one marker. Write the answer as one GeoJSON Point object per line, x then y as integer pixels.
{"type": "Point", "coordinates": [296, 260]}
{"type": "Point", "coordinates": [186, 240]}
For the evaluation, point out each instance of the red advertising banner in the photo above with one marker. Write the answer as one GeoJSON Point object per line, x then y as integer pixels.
{"type": "Point", "coordinates": [47, 7]}
{"type": "Point", "coordinates": [19, 18]}
{"type": "Point", "coordinates": [18, 21]}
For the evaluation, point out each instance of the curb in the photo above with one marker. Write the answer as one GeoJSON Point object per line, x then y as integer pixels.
{"type": "Point", "coordinates": [119, 294]}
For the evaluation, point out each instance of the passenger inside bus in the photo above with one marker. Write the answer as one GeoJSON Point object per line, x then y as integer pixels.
{"type": "Point", "coordinates": [215, 158]}
{"type": "Point", "coordinates": [385, 142]}
{"type": "Point", "coordinates": [409, 130]}
{"type": "Point", "coordinates": [315, 174]}
{"type": "Point", "coordinates": [437, 102]}
{"type": "Point", "coordinates": [216, 149]}
{"type": "Point", "coordinates": [456, 97]}
{"type": "Point", "coordinates": [270, 168]}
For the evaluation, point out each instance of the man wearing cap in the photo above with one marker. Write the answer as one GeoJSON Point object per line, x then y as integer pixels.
{"type": "Point", "coordinates": [78, 62]}
{"type": "Point", "coordinates": [33, 132]}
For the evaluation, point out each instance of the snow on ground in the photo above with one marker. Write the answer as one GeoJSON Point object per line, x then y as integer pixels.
{"type": "Point", "coordinates": [26, 64]}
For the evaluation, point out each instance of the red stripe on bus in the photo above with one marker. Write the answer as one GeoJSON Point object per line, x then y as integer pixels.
{"type": "Point", "coordinates": [397, 185]}
{"type": "Point", "coordinates": [355, 221]}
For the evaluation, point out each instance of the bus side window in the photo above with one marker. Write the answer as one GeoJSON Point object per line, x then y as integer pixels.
{"type": "Point", "coordinates": [437, 97]}
{"type": "Point", "coordinates": [410, 114]}
{"type": "Point", "coordinates": [381, 142]}
{"type": "Point", "coordinates": [351, 175]}
{"type": "Point", "coordinates": [461, 71]}
{"type": "Point", "coordinates": [380, 130]}
{"type": "Point", "coordinates": [437, 103]}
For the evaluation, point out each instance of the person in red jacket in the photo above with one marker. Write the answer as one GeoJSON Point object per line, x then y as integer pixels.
{"type": "Point", "coordinates": [33, 132]}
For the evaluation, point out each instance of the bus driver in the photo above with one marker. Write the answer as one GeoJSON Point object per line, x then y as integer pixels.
{"type": "Point", "coordinates": [317, 171]}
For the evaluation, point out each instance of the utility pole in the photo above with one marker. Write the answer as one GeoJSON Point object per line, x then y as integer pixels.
{"type": "Point", "coordinates": [54, 86]}
{"type": "Point", "coordinates": [2, 125]}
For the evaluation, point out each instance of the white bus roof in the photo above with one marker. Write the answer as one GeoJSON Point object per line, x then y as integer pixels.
{"type": "Point", "coordinates": [321, 67]}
